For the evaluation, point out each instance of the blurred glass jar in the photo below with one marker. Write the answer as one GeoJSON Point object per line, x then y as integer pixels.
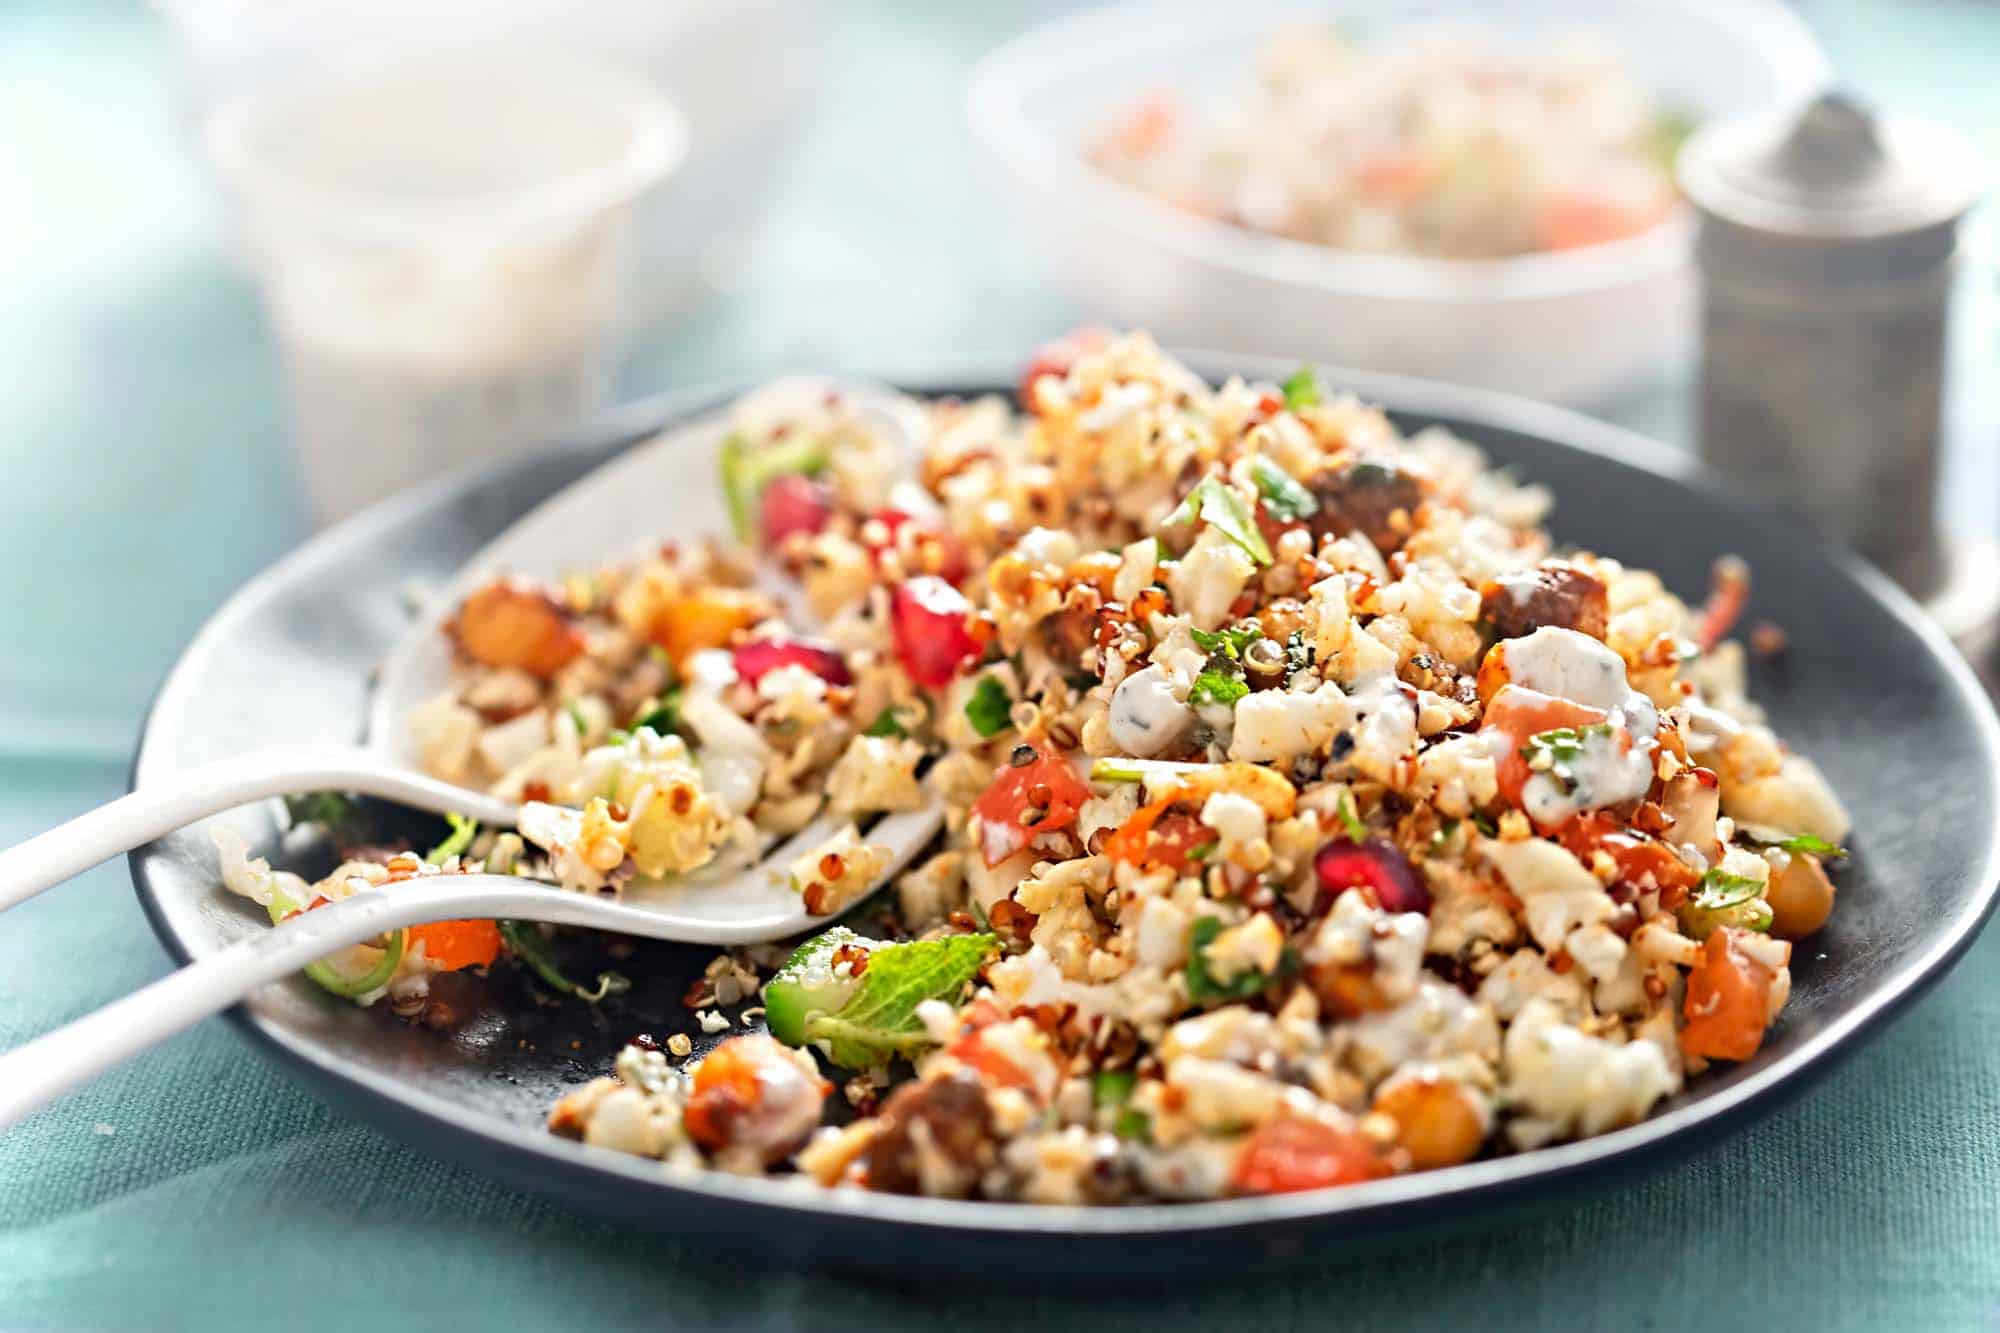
{"type": "Point", "coordinates": [741, 73]}
{"type": "Point", "coordinates": [441, 244]}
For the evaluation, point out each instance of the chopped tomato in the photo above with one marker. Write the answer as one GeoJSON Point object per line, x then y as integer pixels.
{"type": "Point", "coordinates": [934, 548]}
{"type": "Point", "coordinates": [1039, 796]}
{"type": "Point", "coordinates": [995, 1070]}
{"type": "Point", "coordinates": [1392, 177]}
{"type": "Point", "coordinates": [1518, 714]}
{"type": "Point", "coordinates": [1728, 1001]}
{"type": "Point", "coordinates": [1055, 358]}
{"type": "Point", "coordinates": [1637, 856]}
{"type": "Point", "coordinates": [750, 1089]}
{"type": "Point", "coordinates": [927, 621]}
{"type": "Point", "coordinates": [456, 944]}
{"type": "Point", "coordinates": [1291, 1152]}
{"type": "Point", "coordinates": [1158, 835]}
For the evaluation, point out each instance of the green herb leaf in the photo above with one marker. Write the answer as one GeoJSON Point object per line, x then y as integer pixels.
{"type": "Point", "coordinates": [1132, 1125]}
{"type": "Point", "coordinates": [885, 724]}
{"type": "Point", "coordinates": [1302, 388]}
{"type": "Point", "coordinates": [1230, 642]}
{"type": "Point", "coordinates": [662, 716]}
{"type": "Point", "coordinates": [1112, 1087]}
{"type": "Point", "coordinates": [879, 1021]}
{"type": "Point", "coordinates": [989, 706]}
{"type": "Point", "coordinates": [746, 471]}
{"type": "Point", "coordinates": [1202, 851]}
{"type": "Point", "coordinates": [1812, 846]}
{"type": "Point", "coordinates": [577, 719]}
{"type": "Point", "coordinates": [329, 809]}
{"type": "Point", "coordinates": [1553, 752]}
{"type": "Point", "coordinates": [1288, 501]}
{"type": "Point", "coordinates": [1216, 503]}
{"type": "Point", "coordinates": [526, 943]}
{"type": "Point", "coordinates": [1217, 687]}
{"type": "Point", "coordinates": [1719, 890]}
{"type": "Point", "coordinates": [1722, 899]}
{"type": "Point", "coordinates": [463, 831]}
{"type": "Point", "coordinates": [1202, 986]}
{"type": "Point", "coordinates": [1350, 818]}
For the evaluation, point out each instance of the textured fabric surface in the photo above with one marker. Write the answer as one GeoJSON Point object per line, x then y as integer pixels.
{"type": "Point", "coordinates": [198, 1188]}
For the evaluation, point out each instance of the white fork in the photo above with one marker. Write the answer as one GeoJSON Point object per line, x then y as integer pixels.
{"type": "Point", "coordinates": [738, 910]}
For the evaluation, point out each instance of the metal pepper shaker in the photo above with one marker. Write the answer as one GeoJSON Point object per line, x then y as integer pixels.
{"type": "Point", "coordinates": [1827, 247]}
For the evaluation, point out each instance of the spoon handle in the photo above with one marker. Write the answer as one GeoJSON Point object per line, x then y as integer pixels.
{"type": "Point", "coordinates": [37, 1072]}
{"type": "Point", "coordinates": [152, 812]}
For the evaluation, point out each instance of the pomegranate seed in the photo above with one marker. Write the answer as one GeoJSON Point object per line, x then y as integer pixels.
{"type": "Point", "coordinates": [792, 503]}
{"type": "Point", "coordinates": [755, 658]}
{"type": "Point", "coordinates": [927, 620]}
{"type": "Point", "coordinates": [1375, 866]}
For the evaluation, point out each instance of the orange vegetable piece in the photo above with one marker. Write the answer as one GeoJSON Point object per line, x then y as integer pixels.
{"type": "Point", "coordinates": [1291, 1152]}
{"type": "Point", "coordinates": [1518, 714]}
{"type": "Point", "coordinates": [1728, 1001]}
{"type": "Point", "coordinates": [706, 619]}
{"type": "Point", "coordinates": [513, 624]}
{"type": "Point", "coordinates": [733, 1085]}
{"type": "Point", "coordinates": [456, 944]}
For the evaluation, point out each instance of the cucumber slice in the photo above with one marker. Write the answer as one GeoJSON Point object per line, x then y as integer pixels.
{"type": "Point", "coordinates": [806, 985]}
{"type": "Point", "coordinates": [747, 470]}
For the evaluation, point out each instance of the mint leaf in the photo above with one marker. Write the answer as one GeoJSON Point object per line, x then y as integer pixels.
{"type": "Point", "coordinates": [879, 1022]}
{"type": "Point", "coordinates": [989, 707]}
{"type": "Point", "coordinates": [1812, 846]}
{"type": "Point", "coordinates": [463, 831]}
{"type": "Point", "coordinates": [1217, 504]}
{"type": "Point", "coordinates": [1302, 388]}
{"type": "Point", "coordinates": [1286, 499]}
{"type": "Point", "coordinates": [1216, 687]}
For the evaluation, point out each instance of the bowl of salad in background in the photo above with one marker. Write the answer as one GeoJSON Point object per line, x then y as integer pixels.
{"type": "Point", "coordinates": [1387, 185]}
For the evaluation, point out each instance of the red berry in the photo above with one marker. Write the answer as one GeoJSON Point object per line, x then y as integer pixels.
{"type": "Point", "coordinates": [759, 656]}
{"type": "Point", "coordinates": [1375, 866]}
{"type": "Point", "coordinates": [792, 503]}
{"type": "Point", "coordinates": [927, 620]}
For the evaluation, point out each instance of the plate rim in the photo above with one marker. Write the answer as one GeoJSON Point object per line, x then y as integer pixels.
{"type": "Point", "coordinates": [405, 1109]}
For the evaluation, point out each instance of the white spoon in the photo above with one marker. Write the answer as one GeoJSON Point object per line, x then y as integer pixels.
{"type": "Point", "coordinates": [669, 485]}
{"type": "Point", "coordinates": [35, 1074]}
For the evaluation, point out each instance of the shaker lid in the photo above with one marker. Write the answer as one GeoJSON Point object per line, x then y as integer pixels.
{"type": "Point", "coordinates": [1832, 170]}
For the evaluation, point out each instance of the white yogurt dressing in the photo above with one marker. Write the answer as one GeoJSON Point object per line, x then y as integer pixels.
{"type": "Point", "coordinates": [1612, 766]}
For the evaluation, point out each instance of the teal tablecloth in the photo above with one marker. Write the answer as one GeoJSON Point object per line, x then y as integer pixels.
{"type": "Point", "coordinates": [198, 1188]}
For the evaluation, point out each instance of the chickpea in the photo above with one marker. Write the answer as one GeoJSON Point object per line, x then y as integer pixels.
{"type": "Point", "coordinates": [1439, 1122]}
{"type": "Point", "coordinates": [1801, 897]}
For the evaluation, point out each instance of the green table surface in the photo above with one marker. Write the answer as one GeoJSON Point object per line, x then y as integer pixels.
{"type": "Point", "coordinates": [198, 1188]}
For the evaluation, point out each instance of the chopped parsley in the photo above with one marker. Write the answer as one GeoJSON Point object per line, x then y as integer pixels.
{"type": "Point", "coordinates": [885, 724]}
{"type": "Point", "coordinates": [1228, 642]}
{"type": "Point", "coordinates": [1302, 388]}
{"type": "Point", "coordinates": [1553, 752]}
{"type": "Point", "coordinates": [1350, 818]}
{"type": "Point", "coordinates": [1719, 890]}
{"type": "Point", "coordinates": [990, 707]}
{"type": "Point", "coordinates": [1202, 985]}
{"type": "Point", "coordinates": [1217, 687]}
{"type": "Point", "coordinates": [662, 716]}
{"type": "Point", "coordinates": [1202, 851]}
{"type": "Point", "coordinates": [1286, 499]}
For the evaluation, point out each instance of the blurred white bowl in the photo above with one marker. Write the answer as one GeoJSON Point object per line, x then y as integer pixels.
{"type": "Point", "coordinates": [1575, 326]}
{"type": "Point", "coordinates": [739, 71]}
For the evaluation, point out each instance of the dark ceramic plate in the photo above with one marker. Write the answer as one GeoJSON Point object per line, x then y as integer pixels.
{"type": "Point", "coordinates": [1867, 689]}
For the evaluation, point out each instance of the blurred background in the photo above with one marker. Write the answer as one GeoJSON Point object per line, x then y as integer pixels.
{"type": "Point", "coordinates": [813, 198]}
